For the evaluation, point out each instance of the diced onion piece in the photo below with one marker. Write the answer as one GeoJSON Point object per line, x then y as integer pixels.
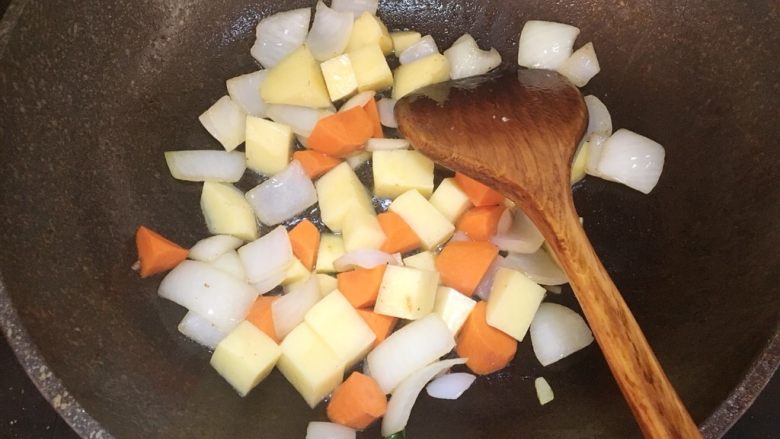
{"type": "Point", "coordinates": [557, 332]}
{"type": "Point", "coordinates": [226, 122]}
{"type": "Point", "coordinates": [245, 91]}
{"type": "Point", "coordinates": [329, 430]}
{"type": "Point", "coordinates": [359, 100]}
{"type": "Point", "coordinates": [387, 144]}
{"type": "Point", "coordinates": [357, 7]}
{"type": "Point", "coordinates": [450, 386]}
{"type": "Point", "coordinates": [595, 147]}
{"type": "Point", "coordinates": [504, 222]}
{"type": "Point", "coordinates": [555, 289]}
{"type": "Point", "coordinates": [329, 33]}
{"type": "Point", "coordinates": [206, 165]}
{"type": "Point", "coordinates": [538, 266]}
{"type": "Point", "coordinates": [300, 119]}
{"type": "Point", "coordinates": [200, 330]}
{"type": "Point", "coordinates": [599, 120]}
{"type": "Point", "coordinates": [581, 66]}
{"type": "Point", "coordinates": [522, 236]}
{"type": "Point", "coordinates": [279, 35]}
{"type": "Point", "coordinates": [267, 256]}
{"type": "Point", "coordinates": [283, 196]}
{"type": "Point", "coordinates": [426, 46]}
{"type": "Point", "coordinates": [230, 263]}
{"type": "Point", "coordinates": [212, 294]}
{"type": "Point", "coordinates": [401, 402]}
{"type": "Point", "coordinates": [543, 391]}
{"type": "Point", "coordinates": [386, 108]}
{"type": "Point", "coordinates": [467, 59]}
{"type": "Point", "coordinates": [408, 350]}
{"type": "Point", "coordinates": [459, 236]}
{"type": "Point", "coordinates": [363, 259]}
{"type": "Point", "coordinates": [356, 159]}
{"type": "Point", "coordinates": [486, 284]}
{"type": "Point", "coordinates": [272, 281]}
{"type": "Point", "coordinates": [545, 44]}
{"type": "Point", "coordinates": [209, 249]}
{"type": "Point", "coordinates": [633, 160]}
{"type": "Point", "coordinates": [288, 311]}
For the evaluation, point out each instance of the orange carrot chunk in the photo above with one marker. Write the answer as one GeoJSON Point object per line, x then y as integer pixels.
{"type": "Point", "coordinates": [361, 286]}
{"type": "Point", "coordinates": [373, 113]}
{"type": "Point", "coordinates": [486, 348]}
{"type": "Point", "coordinates": [342, 133]}
{"type": "Point", "coordinates": [260, 315]}
{"type": "Point", "coordinates": [462, 264]}
{"type": "Point", "coordinates": [478, 193]}
{"type": "Point", "coordinates": [382, 325]}
{"type": "Point", "coordinates": [315, 163]}
{"type": "Point", "coordinates": [480, 223]}
{"type": "Point", "coordinates": [305, 242]}
{"type": "Point", "coordinates": [357, 402]}
{"type": "Point", "coordinates": [155, 253]}
{"type": "Point", "coordinates": [400, 237]}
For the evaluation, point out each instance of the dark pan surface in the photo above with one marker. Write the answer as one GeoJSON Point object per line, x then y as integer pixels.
{"type": "Point", "coordinates": [92, 93]}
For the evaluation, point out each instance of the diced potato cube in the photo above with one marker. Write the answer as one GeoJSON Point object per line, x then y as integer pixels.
{"type": "Point", "coordinates": [225, 122]}
{"type": "Point", "coordinates": [268, 145]}
{"type": "Point", "coordinates": [227, 212]}
{"type": "Point", "coordinates": [580, 160]}
{"type": "Point", "coordinates": [424, 260]}
{"type": "Point", "coordinates": [297, 272]}
{"type": "Point", "coordinates": [453, 307]}
{"type": "Point", "coordinates": [362, 232]}
{"type": "Point", "coordinates": [328, 283]}
{"type": "Point", "coordinates": [432, 69]}
{"type": "Point", "coordinates": [450, 200]}
{"type": "Point", "coordinates": [369, 30]}
{"type": "Point", "coordinates": [339, 191]}
{"type": "Point", "coordinates": [407, 293]}
{"type": "Point", "coordinates": [427, 222]}
{"type": "Point", "coordinates": [335, 320]}
{"type": "Point", "coordinates": [339, 77]}
{"type": "Point", "coordinates": [371, 69]}
{"type": "Point", "coordinates": [296, 80]}
{"type": "Point", "coordinates": [398, 171]}
{"type": "Point", "coordinates": [402, 40]}
{"type": "Point", "coordinates": [245, 357]}
{"type": "Point", "coordinates": [331, 248]}
{"type": "Point", "coordinates": [356, 159]}
{"type": "Point", "coordinates": [309, 364]}
{"type": "Point", "coordinates": [513, 302]}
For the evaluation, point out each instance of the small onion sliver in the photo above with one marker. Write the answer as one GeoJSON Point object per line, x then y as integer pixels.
{"type": "Point", "coordinates": [425, 47]}
{"type": "Point", "coordinates": [486, 284]}
{"type": "Point", "coordinates": [450, 386]}
{"type": "Point", "coordinates": [387, 144]}
{"type": "Point", "coordinates": [200, 330]}
{"type": "Point", "coordinates": [329, 430]}
{"type": "Point", "coordinates": [595, 147]}
{"type": "Point", "coordinates": [357, 7]}
{"type": "Point", "coordinates": [359, 100]}
{"type": "Point", "coordinates": [402, 400]}
{"type": "Point", "coordinates": [300, 119]}
{"type": "Point", "coordinates": [288, 311]}
{"type": "Point", "coordinates": [206, 165]}
{"type": "Point", "coordinates": [363, 259]}
{"type": "Point", "coordinates": [522, 236]}
{"type": "Point", "coordinates": [557, 332]}
{"type": "Point", "coordinates": [504, 222]}
{"type": "Point", "coordinates": [330, 32]}
{"type": "Point", "coordinates": [599, 119]}
{"type": "Point", "coordinates": [539, 266]}
{"type": "Point", "coordinates": [283, 196]}
{"type": "Point", "coordinates": [386, 108]}
{"type": "Point", "coordinates": [581, 66]}
{"type": "Point", "coordinates": [211, 248]}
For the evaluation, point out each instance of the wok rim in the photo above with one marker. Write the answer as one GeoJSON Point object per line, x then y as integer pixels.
{"type": "Point", "coordinates": [720, 421]}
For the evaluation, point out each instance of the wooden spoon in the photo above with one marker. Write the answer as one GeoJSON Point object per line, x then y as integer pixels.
{"type": "Point", "coordinates": [517, 132]}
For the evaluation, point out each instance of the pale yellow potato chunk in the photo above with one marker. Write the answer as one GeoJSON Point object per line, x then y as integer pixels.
{"type": "Point", "coordinates": [339, 191]}
{"type": "Point", "coordinates": [331, 248]}
{"type": "Point", "coordinates": [339, 77]}
{"type": "Point", "coordinates": [513, 302]}
{"type": "Point", "coordinates": [453, 307]}
{"type": "Point", "coordinates": [245, 357]}
{"type": "Point", "coordinates": [362, 232]}
{"type": "Point", "coordinates": [297, 272]}
{"type": "Point", "coordinates": [309, 364]}
{"type": "Point", "coordinates": [369, 30]}
{"type": "Point", "coordinates": [402, 40]}
{"type": "Point", "coordinates": [227, 212]}
{"type": "Point", "coordinates": [335, 320]}
{"type": "Point", "coordinates": [268, 145]}
{"type": "Point", "coordinates": [328, 283]}
{"type": "Point", "coordinates": [296, 80]}
{"type": "Point", "coordinates": [407, 293]}
{"type": "Point", "coordinates": [398, 171]}
{"type": "Point", "coordinates": [450, 200]}
{"type": "Point", "coordinates": [427, 222]}
{"type": "Point", "coordinates": [371, 69]}
{"type": "Point", "coordinates": [425, 260]}
{"type": "Point", "coordinates": [432, 69]}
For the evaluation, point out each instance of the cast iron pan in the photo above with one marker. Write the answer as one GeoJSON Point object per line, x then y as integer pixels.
{"type": "Point", "coordinates": [93, 92]}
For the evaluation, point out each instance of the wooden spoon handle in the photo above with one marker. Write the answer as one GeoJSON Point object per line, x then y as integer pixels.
{"type": "Point", "coordinates": [656, 406]}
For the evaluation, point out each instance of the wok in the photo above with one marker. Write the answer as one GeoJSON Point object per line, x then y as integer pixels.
{"type": "Point", "coordinates": [93, 92]}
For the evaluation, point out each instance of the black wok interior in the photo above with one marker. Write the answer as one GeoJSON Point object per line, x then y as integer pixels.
{"type": "Point", "coordinates": [92, 93]}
